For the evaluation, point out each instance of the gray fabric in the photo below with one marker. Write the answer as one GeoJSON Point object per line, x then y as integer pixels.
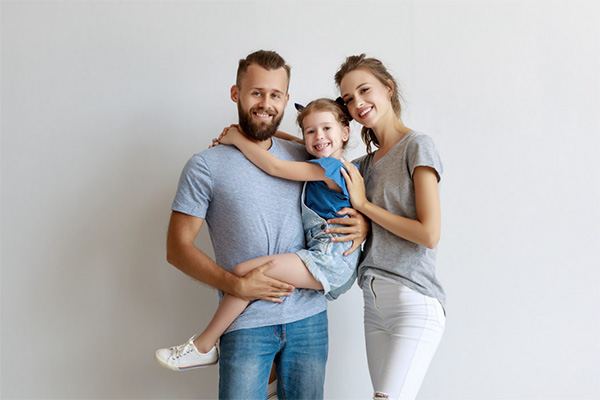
{"type": "Point", "coordinates": [389, 185]}
{"type": "Point", "coordinates": [249, 214]}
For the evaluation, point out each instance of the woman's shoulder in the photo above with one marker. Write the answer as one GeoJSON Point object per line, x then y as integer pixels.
{"type": "Point", "coordinates": [419, 138]}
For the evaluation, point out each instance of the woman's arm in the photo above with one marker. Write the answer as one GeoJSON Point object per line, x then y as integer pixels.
{"type": "Point", "coordinates": [425, 230]}
{"type": "Point", "coordinates": [292, 170]}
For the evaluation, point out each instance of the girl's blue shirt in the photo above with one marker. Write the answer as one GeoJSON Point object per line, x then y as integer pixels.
{"type": "Point", "coordinates": [322, 200]}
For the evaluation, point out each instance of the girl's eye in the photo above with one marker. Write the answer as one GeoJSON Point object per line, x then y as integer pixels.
{"type": "Point", "coordinates": [309, 132]}
{"type": "Point", "coordinates": [326, 128]}
{"type": "Point", "coordinates": [364, 90]}
{"type": "Point", "coordinates": [348, 100]}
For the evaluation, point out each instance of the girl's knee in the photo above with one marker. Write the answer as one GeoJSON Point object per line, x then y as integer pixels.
{"type": "Point", "coordinates": [239, 270]}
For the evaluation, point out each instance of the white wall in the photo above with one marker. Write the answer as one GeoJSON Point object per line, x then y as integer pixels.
{"type": "Point", "coordinates": [103, 102]}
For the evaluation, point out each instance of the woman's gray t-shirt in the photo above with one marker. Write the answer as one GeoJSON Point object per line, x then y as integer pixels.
{"type": "Point", "coordinates": [389, 185]}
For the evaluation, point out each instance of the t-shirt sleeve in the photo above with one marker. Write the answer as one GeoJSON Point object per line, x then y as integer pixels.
{"type": "Point", "coordinates": [421, 152]}
{"type": "Point", "coordinates": [332, 166]}
{"type": "Point", "coordinates": [194, 191]}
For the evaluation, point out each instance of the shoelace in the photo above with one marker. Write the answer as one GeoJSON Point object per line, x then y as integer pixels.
{"type": "Point", "coordinates": [181, 350]}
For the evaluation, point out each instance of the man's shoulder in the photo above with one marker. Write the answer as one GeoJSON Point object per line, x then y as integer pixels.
{"type": "Point", "coordinates": [289, 150]}
{"type": "Point", "coordinates": [216, 153]}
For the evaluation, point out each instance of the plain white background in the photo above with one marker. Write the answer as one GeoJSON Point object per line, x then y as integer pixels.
{"type": "Point", "coordinates": [104, 101]}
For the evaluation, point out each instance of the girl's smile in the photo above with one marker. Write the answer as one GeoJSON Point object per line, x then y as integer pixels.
{"type": "Point", "coordinates": [324, 136]}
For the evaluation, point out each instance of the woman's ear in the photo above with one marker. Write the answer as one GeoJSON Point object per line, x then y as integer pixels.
{"type": "Point", "coordinates": [390, 87]}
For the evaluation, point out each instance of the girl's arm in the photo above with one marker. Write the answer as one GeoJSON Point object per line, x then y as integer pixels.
{"type": "Point", "coordinates": [292, 170]}
{"type": "Point", "coordinates": [287, 136]}
{"type": "Point", "coordinates": [425, 230]}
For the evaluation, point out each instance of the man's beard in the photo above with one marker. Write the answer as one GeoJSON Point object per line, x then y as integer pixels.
{"type": "Point", "coordinates": [258, 131]}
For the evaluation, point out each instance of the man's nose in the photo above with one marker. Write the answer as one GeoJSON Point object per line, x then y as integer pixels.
{"type": "Point", "coordinates": [265, 102]}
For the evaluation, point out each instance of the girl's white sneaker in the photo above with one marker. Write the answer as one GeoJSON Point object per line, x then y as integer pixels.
{"type": "Point", "coordinates": [186, 356]}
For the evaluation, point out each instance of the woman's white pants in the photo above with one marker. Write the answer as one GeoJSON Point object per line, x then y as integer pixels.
{"type": "Point", "coordinates": [402, 330]}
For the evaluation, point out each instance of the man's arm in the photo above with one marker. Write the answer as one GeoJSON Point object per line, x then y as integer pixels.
{"type": "Point", "coordinates": [185, 256]}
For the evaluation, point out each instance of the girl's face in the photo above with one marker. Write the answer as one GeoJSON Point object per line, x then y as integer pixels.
{"type": "Point", "coordinates": [367, 99]}
{"type": "Point", "coordinates": [324, 136]}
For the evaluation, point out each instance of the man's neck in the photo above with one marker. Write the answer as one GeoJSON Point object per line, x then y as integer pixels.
{"type": "Point", "coordinates": [265, 144]}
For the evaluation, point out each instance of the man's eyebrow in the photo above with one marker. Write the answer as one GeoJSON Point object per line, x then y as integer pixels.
{"type": "Point", "coordinates": [267, 90]}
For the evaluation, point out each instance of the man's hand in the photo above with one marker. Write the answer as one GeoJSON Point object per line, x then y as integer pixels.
{"type": "Point", "coordinates": [355, 228]}
{"type": "Point", "coordinates": [255, 285]}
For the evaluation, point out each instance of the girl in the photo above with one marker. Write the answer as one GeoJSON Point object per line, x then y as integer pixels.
{"type": "Point", "coordinates": [403, 315]}
{"type": "Point", "coordinates": [325, 264]}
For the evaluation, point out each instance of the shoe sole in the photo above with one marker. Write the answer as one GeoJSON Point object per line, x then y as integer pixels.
{"type": "Point", "coordinates": [183, 369]}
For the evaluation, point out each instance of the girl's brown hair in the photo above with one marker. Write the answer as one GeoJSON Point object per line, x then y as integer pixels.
{"type": "Point", "coordinates": [324, 104]}
{"type": "Point", "coordinates": [379, 71]}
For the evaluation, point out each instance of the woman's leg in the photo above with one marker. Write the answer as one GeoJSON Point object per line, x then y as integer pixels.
{"type": "Point", "coordinates": [284, 267]}
{"type": "Point", "coordinates": [402, 331]}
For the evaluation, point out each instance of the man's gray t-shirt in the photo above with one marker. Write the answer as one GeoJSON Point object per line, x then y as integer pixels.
{"type": "Point", "coordinates": [389, 185]}
{"type": "Point", "coordinates": [249, 214]}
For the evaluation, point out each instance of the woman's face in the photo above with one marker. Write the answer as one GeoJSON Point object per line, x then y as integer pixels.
{"type": "Point", "coordinates": [367, 99]}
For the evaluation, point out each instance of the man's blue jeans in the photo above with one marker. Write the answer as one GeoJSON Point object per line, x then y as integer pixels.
{"type": "Point", "coordinates": [299, 350]}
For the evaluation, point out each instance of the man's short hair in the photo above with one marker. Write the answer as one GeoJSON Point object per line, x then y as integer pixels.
{"type": "Point", "coordinates": [268, 60]}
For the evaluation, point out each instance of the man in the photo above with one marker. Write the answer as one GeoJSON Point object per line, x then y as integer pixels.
{"type": "Point", "coordinates": [251, 214]}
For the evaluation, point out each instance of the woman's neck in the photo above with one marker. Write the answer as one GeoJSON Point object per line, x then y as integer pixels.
{"type": "Point", "coordinates": [389, 133]}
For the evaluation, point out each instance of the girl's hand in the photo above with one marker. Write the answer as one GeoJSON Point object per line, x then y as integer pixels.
{"type": "Point", "coordinates": [355, 185]}
{"type": "Point", "coordinates": [230, 135]}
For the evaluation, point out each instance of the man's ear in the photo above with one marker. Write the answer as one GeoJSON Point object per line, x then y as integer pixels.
{"type": "Point", "coordinates": [234, 93]}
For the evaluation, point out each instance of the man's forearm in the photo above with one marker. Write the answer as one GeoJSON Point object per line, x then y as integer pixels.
{"type": "Point", "coordinates": [195, 263]}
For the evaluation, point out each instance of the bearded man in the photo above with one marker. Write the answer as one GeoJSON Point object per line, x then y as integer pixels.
{"type": "Point", "coordinates": [251, 214]}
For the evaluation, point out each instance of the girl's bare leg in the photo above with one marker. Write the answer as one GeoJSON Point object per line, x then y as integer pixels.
{"type": "Point", "coordinates": [285, 267]}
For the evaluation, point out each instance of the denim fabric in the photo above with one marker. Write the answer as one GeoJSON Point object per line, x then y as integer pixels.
{"type": "Point", "coordinates": [299, 350]}
{"type": "Point", "coordinates": [324, 258]}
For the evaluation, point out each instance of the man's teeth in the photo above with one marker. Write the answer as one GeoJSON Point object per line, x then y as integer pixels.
{"type": "Point", "coordinates": [263, 115]}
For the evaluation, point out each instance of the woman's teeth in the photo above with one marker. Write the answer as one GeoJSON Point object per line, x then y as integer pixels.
{"type": "Point", "coordinates": [364, 112]}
